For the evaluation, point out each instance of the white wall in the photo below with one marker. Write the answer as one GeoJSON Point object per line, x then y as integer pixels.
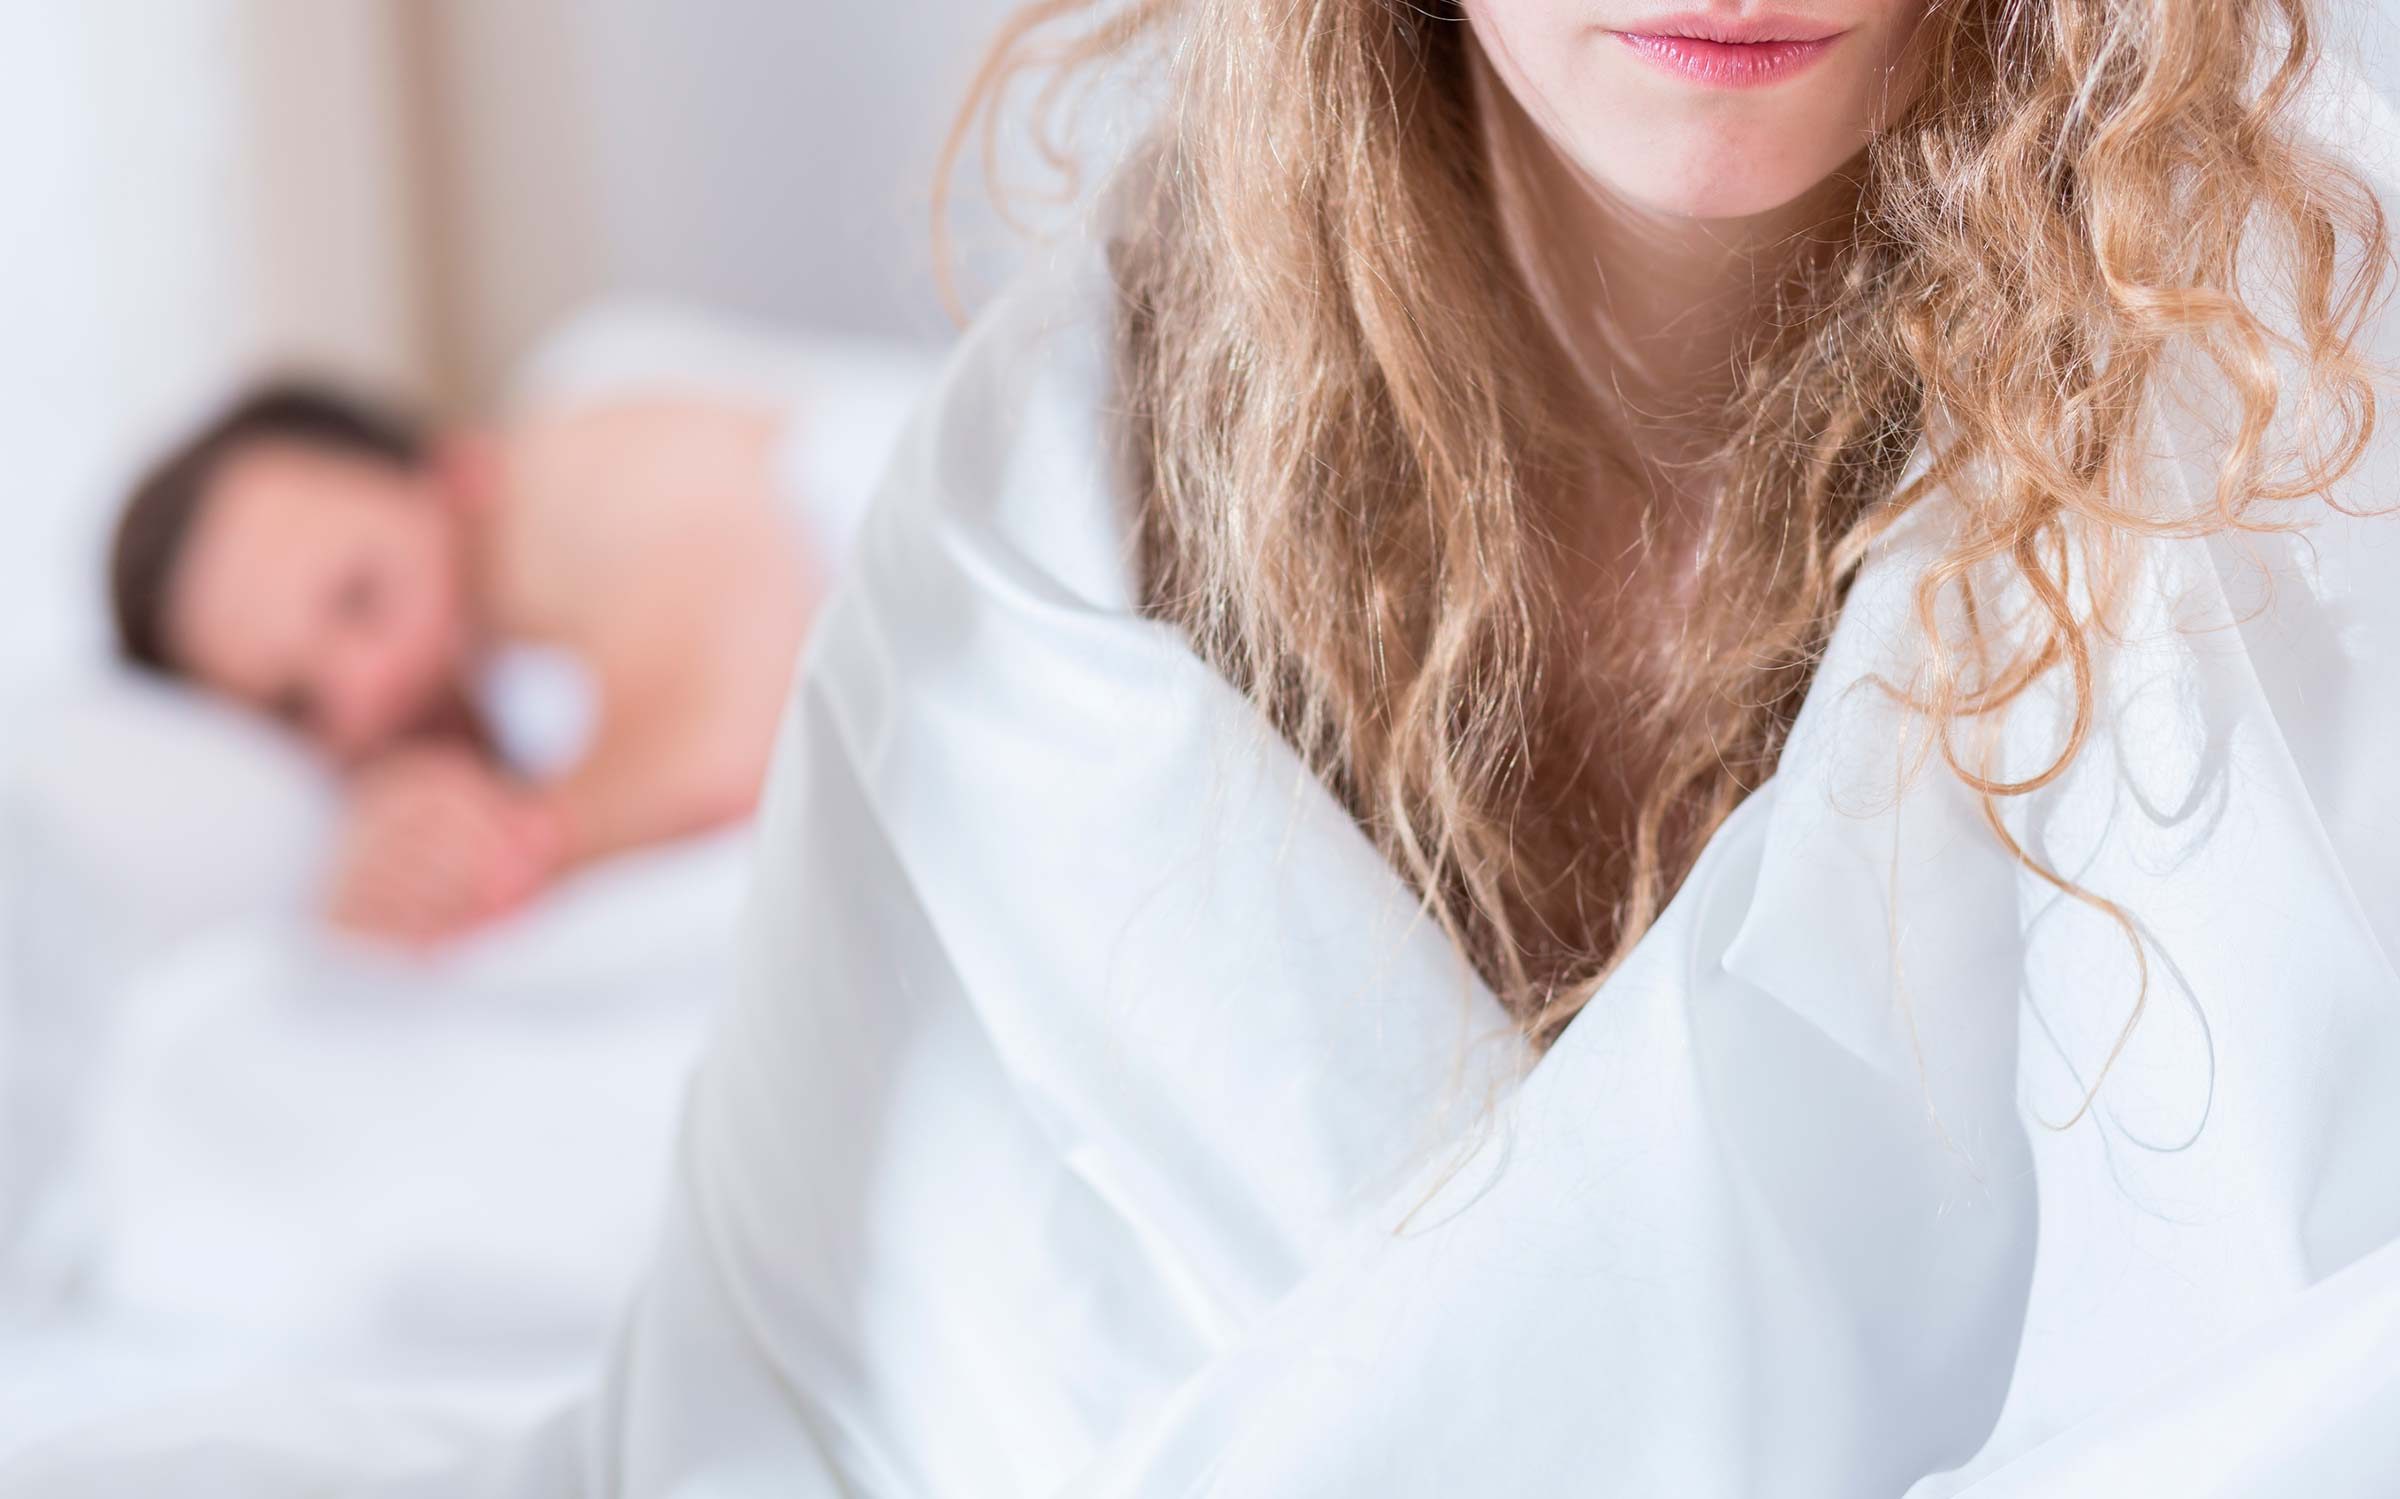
{"type": "Point", "coordinates": [772, 157]}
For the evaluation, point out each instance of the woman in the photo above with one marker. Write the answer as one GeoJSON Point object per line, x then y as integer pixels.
{"type": "Point", "coordinates": [1622, 753]}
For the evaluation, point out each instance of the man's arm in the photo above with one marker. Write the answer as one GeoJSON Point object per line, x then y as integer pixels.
{"type": "Point", "coordinates": [649, 539]}
{"type": "Point", "coordinates": [668, 762]}
{"type": "Point", "coordinates": [693, 662]}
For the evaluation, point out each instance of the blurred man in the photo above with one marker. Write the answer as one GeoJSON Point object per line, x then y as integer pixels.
{"type": "Point", "coordinates": [327, 563]}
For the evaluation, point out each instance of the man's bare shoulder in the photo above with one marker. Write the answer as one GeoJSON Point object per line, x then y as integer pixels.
{"type": "Point", "coordinates": [674, 439]}
{"type": "Point", "coordinates": [627, 496]}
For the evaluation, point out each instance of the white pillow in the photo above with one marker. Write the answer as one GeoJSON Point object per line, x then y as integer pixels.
{"type": "Point", "coordinates": [169, 811]}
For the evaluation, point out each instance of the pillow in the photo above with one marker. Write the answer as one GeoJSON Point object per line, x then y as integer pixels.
{"type": "Point", "coordinates": [170, 812]}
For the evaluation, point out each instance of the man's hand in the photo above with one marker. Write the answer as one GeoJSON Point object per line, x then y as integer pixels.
{"type": "Point", "coordinates": [438, 843]}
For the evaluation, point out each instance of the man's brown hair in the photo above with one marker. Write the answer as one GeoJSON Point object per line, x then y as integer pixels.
{"type": "Point", "coordinates": [160, 514]}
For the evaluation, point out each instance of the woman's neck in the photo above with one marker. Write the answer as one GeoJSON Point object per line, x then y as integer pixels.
{"type": "Point", "coordinates": [1652, 312]}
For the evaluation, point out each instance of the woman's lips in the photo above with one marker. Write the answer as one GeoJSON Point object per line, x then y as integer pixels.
{"type": "Point", "coordinates": [1724, 54]}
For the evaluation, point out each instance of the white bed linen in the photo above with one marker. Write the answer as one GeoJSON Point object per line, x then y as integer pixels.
{"type": "Point", "coordinates": [1078, 1129]}
{"type": "Point", "coordinates": [304, 1163]}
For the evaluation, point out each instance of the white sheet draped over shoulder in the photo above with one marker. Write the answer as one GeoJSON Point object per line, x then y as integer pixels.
{"type": "Point", "coordinates": [1082, 1127]}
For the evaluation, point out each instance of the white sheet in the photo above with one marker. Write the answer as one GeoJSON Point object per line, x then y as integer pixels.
{"type": "Point", "coordinates": [302, 1163]}
{"type": "Point", "coordinates": [1079, 1129]}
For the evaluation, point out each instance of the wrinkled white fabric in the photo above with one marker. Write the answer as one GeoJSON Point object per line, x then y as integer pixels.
{"type": "Point", "coordinates": [1098, 1120]}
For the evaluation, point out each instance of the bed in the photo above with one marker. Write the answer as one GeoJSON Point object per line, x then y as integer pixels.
{"type": "Point", "coordinates": [235, 1148]}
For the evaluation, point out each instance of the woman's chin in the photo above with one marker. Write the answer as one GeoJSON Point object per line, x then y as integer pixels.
{"type": "Point", "coordinates": [1713, 197]}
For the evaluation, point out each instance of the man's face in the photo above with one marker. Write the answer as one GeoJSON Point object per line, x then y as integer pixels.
{"type": "Point", "coordinates": [325, 588]}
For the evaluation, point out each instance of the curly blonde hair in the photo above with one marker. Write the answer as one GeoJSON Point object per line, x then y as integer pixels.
{"type": "Point", "coordinates": [1341, 440]}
